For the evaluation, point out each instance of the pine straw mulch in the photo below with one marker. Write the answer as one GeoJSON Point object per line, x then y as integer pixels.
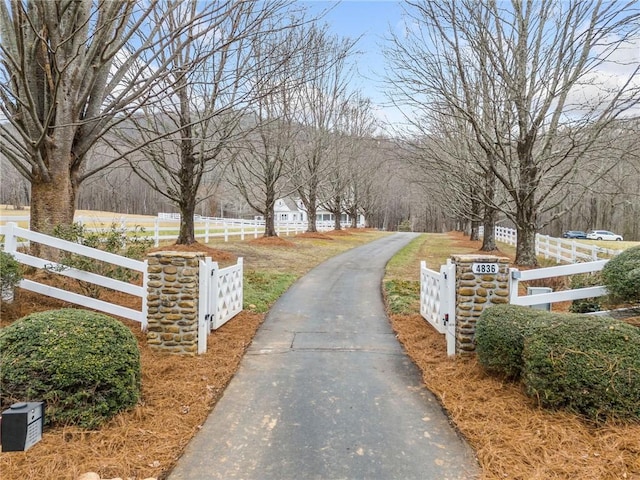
{"type": "Point", "coordinates": [273, 242]}
{"type": "Point", "coordinates": [514, 439]}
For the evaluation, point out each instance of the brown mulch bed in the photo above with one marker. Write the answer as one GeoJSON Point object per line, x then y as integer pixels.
{"type": "Point", "coordinates": [512, 437]}
{"type": "Point", "coordinates": [272, 242]}
{"type": "Point", "coordinates": [339, 233]}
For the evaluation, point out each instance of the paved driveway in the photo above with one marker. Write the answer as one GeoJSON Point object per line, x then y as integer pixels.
{"type": "Point", "coordinates": [326, 391]}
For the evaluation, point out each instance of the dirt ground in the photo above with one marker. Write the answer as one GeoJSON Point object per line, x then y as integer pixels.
{"type": "Point", "coordinates": [513, 439]}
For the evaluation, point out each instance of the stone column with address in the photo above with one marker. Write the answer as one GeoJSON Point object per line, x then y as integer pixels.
{"type": "Point", "coordinates": [172, 300]}
{"type": "Point", "coordinates": [481, 281]}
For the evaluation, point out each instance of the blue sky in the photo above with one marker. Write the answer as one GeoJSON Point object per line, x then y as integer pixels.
{"type": "Point", "coordinates": [371, 20]}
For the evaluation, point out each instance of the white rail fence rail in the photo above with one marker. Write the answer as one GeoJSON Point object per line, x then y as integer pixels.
{"type": "Point", "coordinates": [438, 300]}
{"type": "Point", "coordinates": [12, 233]}
{"type": "Point", "coordinates": [165, 227]}
{"type": "Point", "coordinates": [559, 249]}
{"type": "Point", "coordinates": [516, 276]}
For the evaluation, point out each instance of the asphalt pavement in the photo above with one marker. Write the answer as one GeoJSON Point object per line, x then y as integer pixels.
{"type": "Point", "coordinates": [325, 391]}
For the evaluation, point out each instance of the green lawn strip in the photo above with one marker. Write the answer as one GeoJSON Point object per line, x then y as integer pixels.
{"type": "Point", "coordinates": [262, 289]}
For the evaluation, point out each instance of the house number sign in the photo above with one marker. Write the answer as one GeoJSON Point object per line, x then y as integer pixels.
{"type": "Point", "coordinates": [482, 268]}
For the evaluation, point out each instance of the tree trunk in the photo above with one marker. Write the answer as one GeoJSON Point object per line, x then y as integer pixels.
{"type": "Point", "coordinates": [337, 213]}
{"type": "Point", "coordinates": [311, 221]}
{"type": "Point", "coordinates": [475, 218]}
{"type": "Point", "coordinates": [475, 230]}
{"type": "Point", "coordinates": [489, 226]}
{"type": "Point", "coordinates": [489, 217]}
{"type": "Point", "coordinates": [187, 229]}
{"type": "Point", "coordinates": [353, 217]}
{"type": "Point", "coordinates": [53, 203]}
{"type": "Point", "coordinates": [270, 224]}
{"type": "Point", "coordinates": [311, 213]}
{"type": "Point", "coordinates": [270, 216]}
{"type": "Point", "coordinates": [526, 248]}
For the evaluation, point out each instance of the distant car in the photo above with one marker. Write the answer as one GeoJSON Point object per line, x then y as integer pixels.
{"type": "Point", "coordinates": [603, 235]}
{"type": "Point", "coordinates": [574, 234]}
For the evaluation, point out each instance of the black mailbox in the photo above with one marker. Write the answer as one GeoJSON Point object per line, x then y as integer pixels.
{"type": "Point", "coordinates": [21, 426]}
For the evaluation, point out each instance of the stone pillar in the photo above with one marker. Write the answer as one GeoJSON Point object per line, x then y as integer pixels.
{"type": "Point", "coordinates": [476, 290]}
{"type": "Point", "coordinates": [172, 301]}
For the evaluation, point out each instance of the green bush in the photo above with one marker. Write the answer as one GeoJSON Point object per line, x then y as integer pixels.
{"type": "Point", "coordinates": [621, 275]}
{"type": "Point", "coordinates": [499, 337]}
{"type": "Point", "coordinates": [585, 305]}
{"type": "Point", "coordinates": [84, 365]}
{"type": "Point", "coordinates": [10, 270]}
{"type": "Point", "coordinates": [585, 364]}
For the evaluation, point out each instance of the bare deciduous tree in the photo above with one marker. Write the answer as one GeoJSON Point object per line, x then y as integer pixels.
{"type": "Point", "coordinates": [543, 106]}
{"type": "Point", "coordinates": [260, 170]}
{"type": "Point", "coordinates": [183, 143]}
{"type": "Point", "coordinates": [70, 71]}
{"type": "Point", "coordinates": [322, 97]}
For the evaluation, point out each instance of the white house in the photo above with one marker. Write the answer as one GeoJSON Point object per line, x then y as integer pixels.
{"type": "Point", "coordinates": [293, 210]}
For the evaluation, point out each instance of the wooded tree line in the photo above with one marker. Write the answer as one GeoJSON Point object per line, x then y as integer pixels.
{"type": "Point", "coordinates": [224, 106]}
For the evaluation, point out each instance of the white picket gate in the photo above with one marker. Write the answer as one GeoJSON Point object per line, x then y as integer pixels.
{"type": "Point", "coordinates": [221, 297]}
{"type": "Point", "coordinates": [438, 300]}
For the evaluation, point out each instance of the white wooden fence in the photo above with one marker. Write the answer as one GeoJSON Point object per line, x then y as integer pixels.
{"type": "Point", "coordinates": [516, 276]}
{"type": "Point", "coordinates": [438, 300]}
{"type": "Point", "coordinates": [559, 249]}
{"type": "Point", "coordinates": [12, 233]}
{"type": "Point", "coordinates": [165, 227]}
{"type": "Point", "coordinates": [221, 289]}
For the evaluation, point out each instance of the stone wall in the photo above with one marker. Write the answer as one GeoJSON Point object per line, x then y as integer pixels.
{"type": "Point", "coordinates": [172, 301]}
{"type": "Point", "coordinates": [475, 292]}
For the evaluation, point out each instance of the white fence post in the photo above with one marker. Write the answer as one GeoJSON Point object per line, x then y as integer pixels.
{"type": "Point", "coordinates": [203, 304]}
{"type": "Point", "coordinates": [156, 232]}
{"type": "Point", "coordinates": [448, 304]}
{"type": "Point", "coordinates": [145, 298]}
{"type": "Point", "coordinates": [514, 277]}
{"type": "Point", "coordinates": [10, 240]}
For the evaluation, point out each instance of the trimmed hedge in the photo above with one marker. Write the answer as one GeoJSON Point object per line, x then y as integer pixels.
{"type": "Point", "coordinates": [621, 275]}
{"type": "Point", "coordinates": [84, 365]}
{"type": "Point", "coordinates": [588, 365]}
{"type": "Point", "coordinates": [499, 337]}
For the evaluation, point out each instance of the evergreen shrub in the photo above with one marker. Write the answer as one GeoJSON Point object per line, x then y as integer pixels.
{"type": "Point", "coordinates": [499, 337]}
{"type": "Point", "coordinates": [586, 305]}
{"type": "Point", "coordinates": [589, 365]}
{"type": "Point", "coordinates": [10, 270]}
{"type": "Point", "coordinates": [84, 365]}
{"type": "Point", "coordinates": [621, 275]}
